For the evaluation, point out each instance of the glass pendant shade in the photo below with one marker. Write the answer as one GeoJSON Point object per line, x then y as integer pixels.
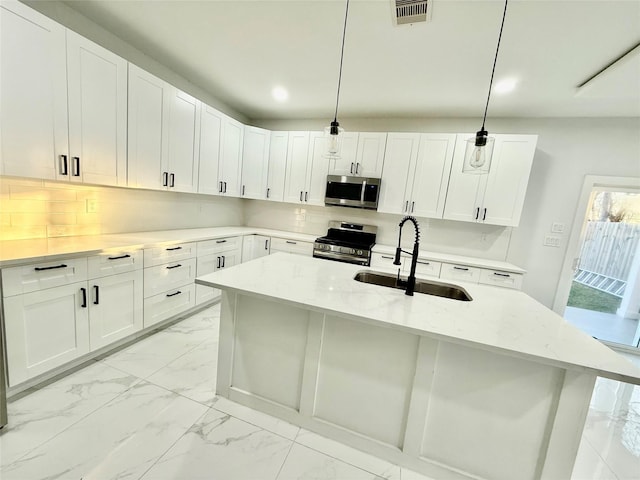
{"type": "Point", "coordinates": [478, 153]}
{"type": "Point", "coordinates": [333, 134]}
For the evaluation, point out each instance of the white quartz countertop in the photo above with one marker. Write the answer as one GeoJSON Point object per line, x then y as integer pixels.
{"type": "Point", "coordinates": [15, 252]}
{"type": "Point", "coordinates": [457, 259]}
{"type": "Point", "coordinates": [502, 320]}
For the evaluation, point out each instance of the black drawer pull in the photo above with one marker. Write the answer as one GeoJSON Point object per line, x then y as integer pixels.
{"type": "Point", "coordinates": [386, 258]}
{"type": "Point", "coordinates": [174, 266]}
{"type": "Point", "coordinates": [120, 257]}
{"type": "Point", "coordinates": [461, 268]}
{"type": "Point", "coordinates": [174, 248]}
{"type": "Point", "coordinates": [84, 297]}
{"type": "Point", "coordinates": [291, 243]}
{"type": "Point", "coordinates": [221, 241]}
{"type": "Point", "coordinates": [97, 292]}
{"type": "Point", "coordinates": [266, 244]}
{"type": "Point", "coordinates": [501, 274]}
{"type": "Point", "coordinates": [174, 294]}
{"type": "Point", "coordinates": [40, 269]}
{"type": "Point", "coordinates": [423, 263]}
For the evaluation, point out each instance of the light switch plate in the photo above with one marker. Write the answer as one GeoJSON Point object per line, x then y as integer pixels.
{"type": "Point", "coordinates": [551, 241]}
{"type": "Point", "coordinates": [557, 228]}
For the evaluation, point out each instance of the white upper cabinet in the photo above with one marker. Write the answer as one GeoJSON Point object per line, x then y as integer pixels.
{"type": "Point", "coordinates": [415, 174]}
{"type": "Point", "coordinates": [211, 125]}
{"type": "Point", "coordinates": [33, 94]}
{"type": "Point", "coordinates": [277, 166]}
{"type": "Point", "coordinates": [184, 132]}
{"type": "Point", "coordinates": [361, 154]}
{"type": "Point", "coordinates": [297, 156]}
{"type": "Point", "coordinates": [255, 162]}
{"type": "Point", "coordinates": [498, 197]}
{"type": "Point", "coordinates": [148, 124]}
{"type": "Point", "coordinates": [307, 168]}
{"type": "Point", "coordinates": [230, 170]}
{"type": "Point", "coordinates": [97, 81]}
{"type": "Point", "coordinates": [317, 169]}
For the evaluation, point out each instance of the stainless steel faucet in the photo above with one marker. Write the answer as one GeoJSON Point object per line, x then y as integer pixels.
{"type": "Point", "coordinates": [410, 283]}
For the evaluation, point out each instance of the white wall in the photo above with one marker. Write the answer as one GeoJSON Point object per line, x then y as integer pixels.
{"type": "Point", "coordinates": [567, 150]}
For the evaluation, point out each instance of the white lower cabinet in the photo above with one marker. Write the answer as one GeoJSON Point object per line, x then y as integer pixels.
{"type": "Point", "coordinates": [170, 276]}
{"type": "Point", "coordinates": [462, 273]}
{"type": "Point", "coordinates": [214, 255]}
{"type": "Point", "coordinates": [45, 329]}
{"type": "Point", "coordinates": [501, 279]}
{"type": "Point", "coordinates": [255, 246]}
{"type": "Point", "coordinates": [383, 260]}
{"type": "Point", "coordinates": [291, 246]}
{"type": "Point", "coordinates": [167, 304]}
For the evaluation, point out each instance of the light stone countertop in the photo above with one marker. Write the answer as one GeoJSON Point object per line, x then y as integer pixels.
{"type": "Point", "coordinates": [497, 319]}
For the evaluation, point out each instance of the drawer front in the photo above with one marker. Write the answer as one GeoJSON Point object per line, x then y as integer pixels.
{"type": "Point", "coordinates": [168, 253]}
{"type": "Point", "coordinates": [385, 260]}
{"type": "Point", "coordinates": [166, 277]}
{"type": "Point", "coordinates": [39, 276]}
{"type": "Point", "coordinates": [291, 246]}
{"type": "Point", "coordinates": [501, 279]}
{"type": "Point", "coordinates": [462, 273]}
{"type": "Point", "coordinates": [168, 304]}
{"type": "Point", "coordinates": [424, 268]}
{"type": "Point", "coordinates": [114, 262]}
{"type": "Point", "coordinates": [209, 247]}
{"type": "Point", "coordinates": [206, 294]}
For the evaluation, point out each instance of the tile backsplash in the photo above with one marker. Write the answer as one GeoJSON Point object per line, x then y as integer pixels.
{"type": "Point", "coordinates": [42, 209]}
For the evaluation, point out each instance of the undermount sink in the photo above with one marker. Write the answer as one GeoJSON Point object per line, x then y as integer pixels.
{"type": "Point", "coordinates": [429, 287]}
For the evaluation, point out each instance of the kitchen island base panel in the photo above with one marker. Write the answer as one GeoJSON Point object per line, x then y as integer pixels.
{"type": "Point", "coordinates": [441, 408]}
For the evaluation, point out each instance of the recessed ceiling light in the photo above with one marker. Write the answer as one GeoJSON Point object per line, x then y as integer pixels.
{"type": "Point", "coordinates": [505, 86]}
{"type": "Point", "coordinates": [280, 94]}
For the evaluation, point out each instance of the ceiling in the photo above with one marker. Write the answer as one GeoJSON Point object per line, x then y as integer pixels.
{"type": "Point", "coordinates": [238, 50]}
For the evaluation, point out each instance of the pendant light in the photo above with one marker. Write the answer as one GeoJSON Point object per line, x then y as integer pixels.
{"type": "Point", "coordinates": [334, 132]}
{"type": "Point", "coordinates": [477, 155]}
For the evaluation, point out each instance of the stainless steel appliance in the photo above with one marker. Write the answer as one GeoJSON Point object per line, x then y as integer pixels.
{"type": "Point", "coordinates": [359, 192]}
{"type": "Point", "coordinates": [346, 242]}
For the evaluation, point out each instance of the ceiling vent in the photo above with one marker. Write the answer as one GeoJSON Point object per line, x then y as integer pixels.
{"type": "Point", "coordinates": [411, 11]}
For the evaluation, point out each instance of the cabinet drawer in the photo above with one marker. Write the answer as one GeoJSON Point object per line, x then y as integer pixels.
{"type": "Point", "coordinates": [114, 262]}
{"type": "Point", "coordinates": [206, 294]}
{"type": "Point", "coordinates": [218, 245]}
{"type": "Point", "coordinates": [462, 273]}
{"type": "Point", "coordinates": [291, 246]}
{"type": "Point", "coordinates": [167, 304]}
{"type": "Point", "coordinates": [424, 268]}
{"type": "Point", "coordinates": [39, 276]}
{"type": "Point", "coordinates": [169, 276]}
{"type": "Point", "coordinates": [168, 253]}
{"type": "Point", "coordinates": [501, 279]}
{"type": "Point", "coordinates": [384, 260]}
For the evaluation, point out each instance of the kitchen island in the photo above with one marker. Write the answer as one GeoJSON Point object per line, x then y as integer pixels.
{"type": "Point", "coordinates": [494, 388]}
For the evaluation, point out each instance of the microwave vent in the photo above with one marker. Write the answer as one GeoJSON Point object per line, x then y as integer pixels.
{"type": "Point", "coordinates": [411, 11]}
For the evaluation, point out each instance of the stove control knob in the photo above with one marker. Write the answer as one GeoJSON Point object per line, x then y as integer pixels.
{"type": "Point", "coordinates": [359, 252]}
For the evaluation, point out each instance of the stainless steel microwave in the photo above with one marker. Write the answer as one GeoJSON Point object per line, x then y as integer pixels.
{"type": "Point", "coordinates": [359, 192]}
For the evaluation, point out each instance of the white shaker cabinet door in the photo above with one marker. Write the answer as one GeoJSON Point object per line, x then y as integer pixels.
{"type": "Point", "coordinates": [346, 163]}
{"type": "Point", "coordinates": [211, 133]}
{"type": "Point", "coordinates": [255, 161]}
{"type": "Point", "coordinates": [33, 94]}
{"type": "Point", "coordinates": [115, 307]}
{"type": "Point", "coordinates": [184, 128]}
{"type": "Point", "coordinates": [431, 175]}
{"type": "Point", "coordinates": [297, 153]}
{"type": "Point", "coordinates": [277, 169]}
{"type": "Point", "coordinates": [45, 329]}
{"type": "Point", "coordinates": [147, 129]}
{"type": "Point", "coordinates": [97, 80]}
{"type": "Point", "coordinates": [370, 157]}
{"type": "Point", "coordinates": [231, 157]}
{"type": "Point", "coordinates": [399, 158]}
{"type": "Point", "coordinates": [317, 169]}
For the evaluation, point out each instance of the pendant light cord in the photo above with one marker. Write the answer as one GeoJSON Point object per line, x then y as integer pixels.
{"type": "Point", "coordinates": [344, 32]}
{"type": "Point", "coordinates": [504, 14]}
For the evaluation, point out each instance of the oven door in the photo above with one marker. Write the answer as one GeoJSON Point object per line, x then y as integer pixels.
{"type": "Point", "coordinates": [359, 192]}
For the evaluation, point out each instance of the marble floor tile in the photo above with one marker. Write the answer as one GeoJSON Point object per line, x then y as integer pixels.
{"type": "Point", "coordinates": [192, 375]}
{"type": "Point", "coordinates": [303, 463]}
{"type": "Point", "coordinates": [43, 414]}
{"type": "Point", "coordinates": [262, 420]}
{"type": "Point", "coordinates": [589, 465]}
{"type": "Point", "coordinates": [364, 461]}
{"type": "Point", "coordinates": [205, 324]}
{"type": "Point", "coordinates": [120, 440]}
{"type": "Point", "coordinates": [221, 447]}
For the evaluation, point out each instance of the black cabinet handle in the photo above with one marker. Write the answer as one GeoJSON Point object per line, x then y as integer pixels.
{"type": "Point", "coordinates": [64, 169]}
{"type": "Point", "coordinates": [218, 265]}
{"type": "Point", "coordinates": [477, 212]}
{"type": "Point", "coordinates": [84, 297]}
{"type": "Point", "coordinates": [413, 204]}
{"type": "Point", "coordinates": [357, 168]}
{"type": "Point", "coordinates": [174, 294]}
{"type": "Point", "coordinates": [40, 269]}
{"type": "Point", "coordinates": [406, 205]}
{"type": "Point", "coordinates": [165, 179]}
{"type": "Point", "coordinates": [386, 258]}
{"type": "Point", "coordinates": [173, 248]}
{"type": "Point", "coordinates": [266, 244]}
{"type": "Point", "coordinates": [172, 181]}
{"type": "Point", "coordinates": [76, 171]}
{"type": "Point", "coordinates": [223, 259]}
{"type": "Point", "coordinates": [305, 196]}
{"type": "Point", "coordinates": [221, 241]}
{"type": "Point", "coordinates": [423, 263]}
{"type": "Point", "coordinates": [351, 170]}
{"type": "Point", "coordinates": [242, 190]}
{"type": "Point", "coordinates": [220, 187]}
{"type": "Point", "coordinates": [300, 195]}
{"type": "Point", "coordinates": [174, 266]}
{"type": "Point", "coordinates": [96, 291]}
{"type": "Point", "coordinates": [501, 274]}
{"type": "Point", "coordinates": [268, 190]}
{"type": "Point", "coordinates": [461, 268]}
{"type": "Point", "coordinates": [225, 187]}
{"type": "Point", "coordinates": [484, 215]}
{"type": "Point", "coordinates": [291, 243]}
{"type": "Point", "coordinates": [118, 258]}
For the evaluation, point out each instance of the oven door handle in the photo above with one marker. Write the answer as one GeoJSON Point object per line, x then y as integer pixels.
{"type": "Point", "coordinates": [364, 187]}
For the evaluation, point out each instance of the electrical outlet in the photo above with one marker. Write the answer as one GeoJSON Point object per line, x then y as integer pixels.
{"type": "Point", "coordinates": [551, 241]}
{"type": "Point", "coordinates": [557, 228]}
{"type": "Point", "coordinates": [92, 205]}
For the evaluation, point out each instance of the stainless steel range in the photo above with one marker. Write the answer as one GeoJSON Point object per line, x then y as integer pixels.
{"type": "Point", "coordinates": [346, 242]}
